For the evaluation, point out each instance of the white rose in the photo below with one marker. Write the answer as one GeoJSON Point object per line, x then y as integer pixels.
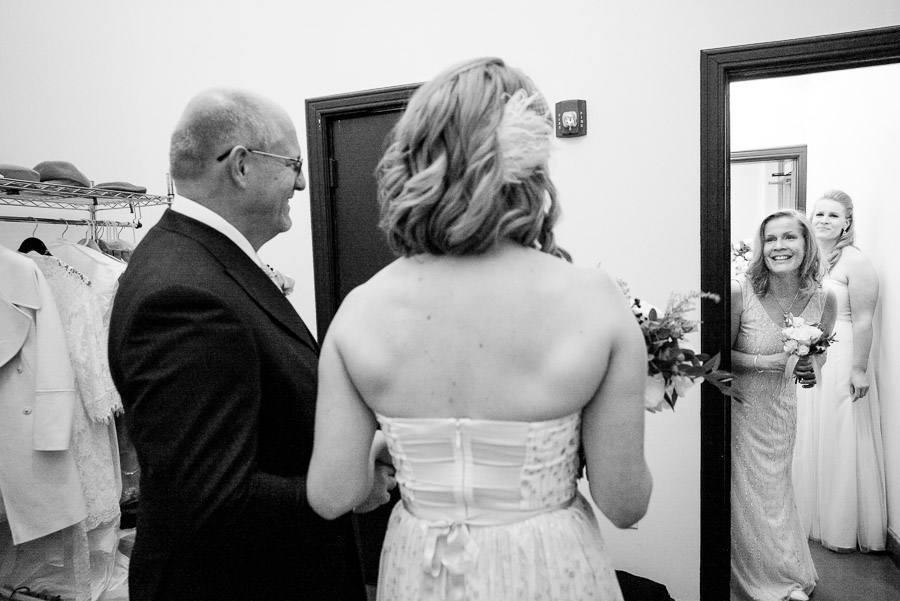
{"type": "Point", "coordinates": [654, 393]}
{"type": "Point", "coordinates": [807, 334]}
{"type": "Point", "coordinates": [642, 309]}
{"type": "Point", "coordinates": [681, 384]}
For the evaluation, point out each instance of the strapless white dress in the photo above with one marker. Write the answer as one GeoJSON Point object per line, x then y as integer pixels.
{"type": "Point", "coordinates": [490, 511]}
{"type": "Point", "coordinates": [839, 459]}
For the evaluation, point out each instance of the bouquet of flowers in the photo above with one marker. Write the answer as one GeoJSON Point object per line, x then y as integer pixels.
{"type": "Point", "coordinates": [672, 368]}
{"type": "Point", "coordinates": [802, 339]}
{"type": "Point", "coordinates": [740, 257]}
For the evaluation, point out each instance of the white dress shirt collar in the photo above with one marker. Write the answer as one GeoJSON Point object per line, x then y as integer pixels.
{"type": "Point", "coordinates": [195, 210]}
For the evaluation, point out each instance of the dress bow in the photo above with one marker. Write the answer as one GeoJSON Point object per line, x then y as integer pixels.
{"type": "Point", "coordinates": [450, 552]}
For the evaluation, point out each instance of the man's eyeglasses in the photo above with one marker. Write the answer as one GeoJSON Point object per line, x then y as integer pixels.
{"type": "Point", "coordinates": [294, 163]}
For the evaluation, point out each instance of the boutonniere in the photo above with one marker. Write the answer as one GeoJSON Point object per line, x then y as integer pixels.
{"type": "Point", "coordinates": [284, 283]}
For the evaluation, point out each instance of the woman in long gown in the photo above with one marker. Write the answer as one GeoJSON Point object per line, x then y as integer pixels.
{"type": "Point", "coordinates": [839, 459]}
{"type": "Point", "coordinates": [487, 358]}
{"type": "Point", "coordinates": [770, 558]}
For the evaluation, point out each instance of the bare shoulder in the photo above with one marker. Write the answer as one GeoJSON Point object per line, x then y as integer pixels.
{"type": "Point", "coordinates": [593, 280]}
{"type": "Point", "coordinates": [366, 299]}
{"type": "Point", "coordinates": [856, 270]}
{"type": "Point", "coordinates": [854, 259]}
{"type": "Point", "coordinates": [595, 293]}
{"type": "Point", "coordinates": [584, 282]}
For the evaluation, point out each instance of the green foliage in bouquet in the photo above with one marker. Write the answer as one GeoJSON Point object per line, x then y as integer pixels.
{"type": "Point", "coordinates": [677, 366]}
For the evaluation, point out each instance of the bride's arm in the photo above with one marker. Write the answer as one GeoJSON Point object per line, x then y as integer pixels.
{"type": "Point", "coordinates": [613, 421]}
{"type": "Point", "coordinates": [341, 472]}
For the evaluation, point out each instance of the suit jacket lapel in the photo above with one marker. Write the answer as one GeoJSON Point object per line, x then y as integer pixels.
{"type": "Point", "coordinates": [244, 271]}
{"type": "Point", "coordinates": [269, 297]}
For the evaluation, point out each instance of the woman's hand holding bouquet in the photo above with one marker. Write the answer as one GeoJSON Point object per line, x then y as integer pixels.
{"type": "Point", "coordinates": [805, 344]}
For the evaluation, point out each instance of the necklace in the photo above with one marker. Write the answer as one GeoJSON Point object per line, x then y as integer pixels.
{"type": "Point", "coordinates": [786, 312]}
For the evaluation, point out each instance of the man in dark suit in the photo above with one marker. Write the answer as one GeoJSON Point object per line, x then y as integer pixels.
{"type": "Point", "coordinates": [217, 373]}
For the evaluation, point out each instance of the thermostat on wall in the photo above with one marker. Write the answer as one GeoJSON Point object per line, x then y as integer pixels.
{"type": "Point", "coordinates": [571, 118]}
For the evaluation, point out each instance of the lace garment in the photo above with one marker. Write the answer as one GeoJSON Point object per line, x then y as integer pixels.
{"type": "Point", "coordinates": [769, 551]}
{"type": "Point", "coordinates": [94, 437]}
{"type": "Point", "coordinates": [82, 317]}
{"type": "Point", "coordinates": [81, 562]}
{"type": "Point", "coordinates": [490, 511]}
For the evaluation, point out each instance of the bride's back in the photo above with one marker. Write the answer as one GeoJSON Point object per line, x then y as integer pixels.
{"type": "Point", "coordinates": [482, 317]}
{"type": "Point", "coordinates": [493, 336]}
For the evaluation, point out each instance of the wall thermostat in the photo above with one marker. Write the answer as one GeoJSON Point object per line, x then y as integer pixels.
{"type": "Point", "coordinates": [571, 118]}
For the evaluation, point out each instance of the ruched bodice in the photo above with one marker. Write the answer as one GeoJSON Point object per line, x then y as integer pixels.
{"type": "Point", "coordinates": [483, 471]}
{"type": "Point", "coordinates": [842, 296]}
{"type": "Point", "coordinates": [490, 511]}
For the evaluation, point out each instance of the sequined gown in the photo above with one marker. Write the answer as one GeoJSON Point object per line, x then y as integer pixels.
{"type": "Point", "coordinates": [839, 459]}
{"type": "Point", "coordinates": [489, 511]}
{"type": "Point", "coordinates": [769, 550]}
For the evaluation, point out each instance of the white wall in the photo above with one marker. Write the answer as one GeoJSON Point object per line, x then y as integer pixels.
{"type": "Point", "coordinates": [751, 196]}
{"type": "Point", "coordinates": [850, 123]}
{"type": "Point", "coordinates": [101, 84]}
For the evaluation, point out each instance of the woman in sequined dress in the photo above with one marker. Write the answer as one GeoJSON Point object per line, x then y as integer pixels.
{"type": "Point", "coordinates": [486, 358]}
{"type": "Point", "coordinates": [770, 558]}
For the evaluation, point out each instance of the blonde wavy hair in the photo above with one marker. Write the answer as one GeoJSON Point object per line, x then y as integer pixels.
{"type": "Point", "coordinates": [812, 269]}
{"type": "Point", "coordinates": [466, 165]}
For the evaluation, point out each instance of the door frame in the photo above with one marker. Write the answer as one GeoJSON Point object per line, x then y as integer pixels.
{"type": "Point", "coordinates": [718, 68]}
{"type": "Point", "coordinates": [321, 114]}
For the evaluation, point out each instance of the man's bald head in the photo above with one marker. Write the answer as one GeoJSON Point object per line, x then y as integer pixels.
{"type": "Point", "coordinates": [216, 120]}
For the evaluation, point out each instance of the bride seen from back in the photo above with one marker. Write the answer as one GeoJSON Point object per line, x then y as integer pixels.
{"type": "Point", "coordinates": [487, 359]}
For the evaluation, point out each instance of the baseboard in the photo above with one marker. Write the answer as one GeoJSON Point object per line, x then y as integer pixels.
{"type": "Point", "coordinates": [893, 547]}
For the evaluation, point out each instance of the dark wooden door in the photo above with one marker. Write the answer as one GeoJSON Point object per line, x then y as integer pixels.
{"type": "Point", "coordinates": [347, 137]}
{"type": "Point", "coordinates": [358, 143]}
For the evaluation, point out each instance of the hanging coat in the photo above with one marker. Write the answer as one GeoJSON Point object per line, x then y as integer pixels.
{"type": "Point", "coordinates": [39, 482]}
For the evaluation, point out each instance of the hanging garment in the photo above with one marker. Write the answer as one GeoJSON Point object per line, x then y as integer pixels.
{"type": "Point", "coordinates": [117, 248]}
{"type": "Point", "coordinates": [39, 481]}
{"type": "Point", "coordinates": [82, 561]}
{"type": "Point", "coordinates": [94, 436]}
{"type": "Point", "coordinates": [102, 270]}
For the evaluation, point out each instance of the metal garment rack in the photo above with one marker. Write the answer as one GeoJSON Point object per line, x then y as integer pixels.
{"type": "Point", "coordinates": [45, 195]}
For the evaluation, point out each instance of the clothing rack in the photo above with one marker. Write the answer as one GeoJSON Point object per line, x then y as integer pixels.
{"type": "Point", "coordinates": [46, 195]}
{"type": "Point", "coordinates": [73, 222]}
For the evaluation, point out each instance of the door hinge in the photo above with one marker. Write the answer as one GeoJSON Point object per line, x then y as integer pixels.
{"type": "Point", "coordinates": [332, 173]}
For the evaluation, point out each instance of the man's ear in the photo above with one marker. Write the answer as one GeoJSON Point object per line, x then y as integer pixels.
{"type": "Point", "coordinates": [239, 167]}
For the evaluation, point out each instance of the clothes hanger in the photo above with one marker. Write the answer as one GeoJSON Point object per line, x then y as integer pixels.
{"type": "Point", "coordinates": [33, 243]}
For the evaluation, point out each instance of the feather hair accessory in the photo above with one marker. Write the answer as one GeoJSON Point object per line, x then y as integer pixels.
{"type": "Point", "coordinates": [524, 136]}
